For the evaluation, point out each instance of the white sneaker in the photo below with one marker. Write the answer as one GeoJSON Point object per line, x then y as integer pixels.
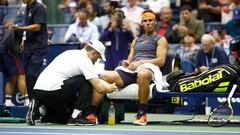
{"type": "Point", "coordinates": [8, 102]}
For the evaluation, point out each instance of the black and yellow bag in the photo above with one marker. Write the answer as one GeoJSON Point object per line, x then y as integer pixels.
{"type": "Point", "coordinates": [217, 79]}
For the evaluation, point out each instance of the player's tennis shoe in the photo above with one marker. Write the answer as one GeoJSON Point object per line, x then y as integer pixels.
{"type": "Point", "coordinates": [141, 119]}
{"type": "Point", "coordinates": [89, 120]}
{"type": "Point", "coordinates": [74, 121]}
{"type": "Point", "coordinates": [33, 112]}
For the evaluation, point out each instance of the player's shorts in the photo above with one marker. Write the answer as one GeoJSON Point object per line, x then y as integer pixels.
{"type": "Point", "coordinates": [128, 78]}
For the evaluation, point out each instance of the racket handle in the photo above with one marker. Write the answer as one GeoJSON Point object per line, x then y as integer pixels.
{"type": "Point", "coordinates": [232, 91]}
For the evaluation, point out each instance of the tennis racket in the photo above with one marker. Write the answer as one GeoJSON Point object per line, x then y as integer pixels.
{"type": "Point", "coordinates": [222, 114]}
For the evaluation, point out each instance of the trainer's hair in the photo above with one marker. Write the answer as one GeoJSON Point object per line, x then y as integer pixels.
{"type": "Point", "coordinates": [87, 47]}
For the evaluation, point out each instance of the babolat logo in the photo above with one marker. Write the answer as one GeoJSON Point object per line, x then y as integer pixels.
{"type": "Point", "coordinates": [188, 86]}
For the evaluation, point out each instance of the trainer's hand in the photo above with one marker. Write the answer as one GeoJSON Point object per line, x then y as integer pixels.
{"type": "Point", "coordinates": [112, 88]}
{"type": "Point", "coordinates": [107, 87]}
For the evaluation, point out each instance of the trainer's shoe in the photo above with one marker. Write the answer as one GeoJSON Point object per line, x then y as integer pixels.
{"type": "Point", "coordinates": [33, 112]}
{"type": "Point", "coordinates": [74, 121]}
{"type": "Point", "coordinates": [141, 119]}
{"type": "Point", "coordinates": [89, 120]}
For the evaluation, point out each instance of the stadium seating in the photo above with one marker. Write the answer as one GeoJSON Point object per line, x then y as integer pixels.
{"type": "Point", "coordinates": [209, 27]}
{"type": "Point", "coordinates": [57, 32]}
{"type": "Point", "coordinates": [11, 11]}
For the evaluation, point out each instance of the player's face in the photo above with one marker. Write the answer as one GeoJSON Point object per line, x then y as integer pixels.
{"type": "Point", "coordinates": [148, 24]}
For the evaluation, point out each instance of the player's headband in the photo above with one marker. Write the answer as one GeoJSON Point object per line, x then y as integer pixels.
{"type": "Point", "coordinates": [148, 14]}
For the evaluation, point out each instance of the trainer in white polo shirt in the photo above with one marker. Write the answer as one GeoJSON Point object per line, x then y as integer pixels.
{"type": "Point", "coordinates": [58, 84]}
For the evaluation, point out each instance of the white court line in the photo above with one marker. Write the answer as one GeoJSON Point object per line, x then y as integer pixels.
{"type": "Point", "coordinates": [47, 133]}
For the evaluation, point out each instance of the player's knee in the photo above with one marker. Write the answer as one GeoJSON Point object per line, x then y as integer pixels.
{"type": "Point", "coordinates": [144, 76]}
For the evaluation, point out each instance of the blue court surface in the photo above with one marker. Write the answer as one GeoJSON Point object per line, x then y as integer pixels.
{"type": "Point", "coordinates": [158, 128]}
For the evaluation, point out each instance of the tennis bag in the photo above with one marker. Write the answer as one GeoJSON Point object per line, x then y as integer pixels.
{"type": "Point", "coordinates": [217, 79]}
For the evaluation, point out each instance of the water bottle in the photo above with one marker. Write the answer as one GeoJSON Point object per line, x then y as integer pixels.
{"type": "Point", "coordinates": [111, 114]}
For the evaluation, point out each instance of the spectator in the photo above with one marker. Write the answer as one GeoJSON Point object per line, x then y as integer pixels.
{"type": "Point", "coordinates": [20, 18]}
{"type": "Point", "coordinates": [3, 11]}
{"type": "Point", "coordinates": [83, 30]}
{"type": "Point", "coordinates": [189, 49]}
{"type": "Point", "coordinates": [118, 36]}
{"type": "Point", "coordinates": [35, 44]}
{"type": "Point", "coordinates": [133, 16]}
{"type": "Point", "coordinates": [222, 39]}
{"type": "Point", "coordinates": [73, 9]}
{"type": "Point", "coordinates": [188, 24]}
{"type": "Point", "coordinates": [64, 88]}
{"type": "Point", "coordinates": [92, 13]}
{"type": "Point", "coordinates": [233, 26]}
{"type": "Point", "coordinates": [132, 11]}
{"type": "Point", "coordinates": [149, 48]}
{"type": "Point", "coordinates": [164, 27]}
{"type": "Point", "coordinates": [157, 5]}
{"type": "Point", "coordinates": [227, 10]}
{"type": "Point", "coordinates": [209, 11]}
{"type": "Point", "coordinates": [210, 55]}
{"type": "Point", "coordinates": [109, 7]}
{"type": "Point", "coordinates": [194, 4]}
{"type": "Point", "coordinates": [64, 4]}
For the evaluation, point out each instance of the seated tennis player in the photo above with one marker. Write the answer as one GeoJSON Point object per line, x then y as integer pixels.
{"type": "Point", "coordinates": [149, 49]}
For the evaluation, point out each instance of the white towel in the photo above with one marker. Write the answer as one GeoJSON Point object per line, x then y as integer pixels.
{"type": "Point", "coordinates": [157, 75]}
